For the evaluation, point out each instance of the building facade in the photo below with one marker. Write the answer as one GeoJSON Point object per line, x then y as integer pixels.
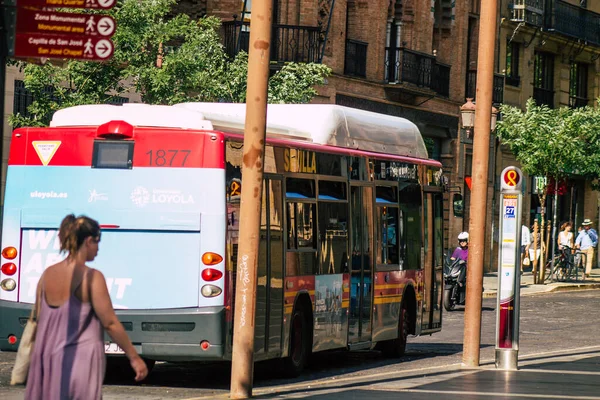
{"type": "Point", "coordinates": [549, 51]}
{"type": "Point", "coordinates": [407, 58]}
{"type": "Point", "coordinates": [418, 60]}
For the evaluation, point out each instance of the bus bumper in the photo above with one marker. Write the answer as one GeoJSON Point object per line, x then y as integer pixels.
{"type": "Point", "coordinates": [162, 335]}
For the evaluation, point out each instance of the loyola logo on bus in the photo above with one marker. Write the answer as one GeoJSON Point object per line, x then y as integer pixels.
{"type": "Point", "coordinates": [140, 196]}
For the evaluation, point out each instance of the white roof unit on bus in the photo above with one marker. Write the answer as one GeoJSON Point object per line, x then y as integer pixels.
{"type": "Point", "coordinates": [323, 124]}
{"type": "Point", "coordinates": [134, 114]}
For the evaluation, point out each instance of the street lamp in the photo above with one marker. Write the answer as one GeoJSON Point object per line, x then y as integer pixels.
{"type": "Point", "coordinates": [467, 113]}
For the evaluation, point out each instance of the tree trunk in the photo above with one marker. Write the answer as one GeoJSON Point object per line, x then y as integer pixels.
{"type": "Point", "coordinates": [541, 262]}
{"type": "Point", "coordinates": [534, 261]}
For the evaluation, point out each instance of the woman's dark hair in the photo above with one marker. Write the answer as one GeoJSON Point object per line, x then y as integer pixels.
{"type": "Point", "coordinates": [73, 231]}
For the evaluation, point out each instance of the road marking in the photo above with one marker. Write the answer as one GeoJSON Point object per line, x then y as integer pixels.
{"type": "Point", "coordinates": [499, 394]}
{"type": "Point", "coordinates": [557, 371]}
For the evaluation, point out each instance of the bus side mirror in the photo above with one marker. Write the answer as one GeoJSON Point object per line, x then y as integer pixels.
{"type": "Point", "coordinates": [457, 205]}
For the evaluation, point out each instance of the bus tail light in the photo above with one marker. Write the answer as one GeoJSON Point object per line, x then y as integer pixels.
{"type": "Point", "coordinates": [205, 344]}
{"type": "Point", "coordinates": [8, 284]}
{"type": "Point", "coordinates": [210, 291]}
{"type": "Point", "coordinates": [9, 269]}
{"type": "Point", "coordinates": [211, 274]}
{"type": "Point", "coordinates": [10, 253]}
{"type": "Point", "coordinates": [211, 258]}
{"type": "Point", "coordinates": [12, 339]}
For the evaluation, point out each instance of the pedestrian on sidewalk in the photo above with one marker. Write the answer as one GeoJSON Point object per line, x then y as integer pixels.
{"type": "Point", "coordinates": [537, 245]}
{"type": "Point", "coordinates": [72, 307]}
{"type": "Point", "coordinates": [565, 236]}
{"type": "Point", "coordinates": [525, 242]}
{"type": "Point", "coordinates": [585, 242]}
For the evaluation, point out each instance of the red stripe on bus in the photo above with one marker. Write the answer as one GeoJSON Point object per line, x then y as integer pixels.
{"type": "Point", "coordinates": [154, 147]}
{"type": "Point", "coordinates": [340, 150]}
{"type": "Point", "coordinates": [296, 283]}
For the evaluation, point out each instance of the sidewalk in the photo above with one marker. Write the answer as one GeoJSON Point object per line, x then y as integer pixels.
{"type": "Point", "coordinates": [490, 284]}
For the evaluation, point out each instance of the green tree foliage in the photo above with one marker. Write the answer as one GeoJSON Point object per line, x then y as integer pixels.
{"type": "Point", "coordinates": [166, 59]}
{"type": "Point", "coordinates": [555, 143]}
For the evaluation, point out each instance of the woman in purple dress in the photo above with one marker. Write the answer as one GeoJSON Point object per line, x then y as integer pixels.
{"type": "Point", "coordinates": [73, 306]}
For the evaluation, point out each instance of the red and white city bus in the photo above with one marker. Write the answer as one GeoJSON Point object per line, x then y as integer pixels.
{"type": "Point", "coordinates": [350, 241]}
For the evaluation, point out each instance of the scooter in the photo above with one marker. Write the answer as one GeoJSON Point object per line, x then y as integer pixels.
{"type": "Point", "coordinates": [455, 282]}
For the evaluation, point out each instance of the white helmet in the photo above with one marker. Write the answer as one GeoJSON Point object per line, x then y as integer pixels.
{"type": "Point", "coordinates": [463, 236]}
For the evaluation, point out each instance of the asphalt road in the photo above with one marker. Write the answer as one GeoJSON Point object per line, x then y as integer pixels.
{"type": "Point", "coordinates": [557, 322]}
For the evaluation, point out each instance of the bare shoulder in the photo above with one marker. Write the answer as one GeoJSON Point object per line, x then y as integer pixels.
{"type": "Point", "coordinates": [95, 275]}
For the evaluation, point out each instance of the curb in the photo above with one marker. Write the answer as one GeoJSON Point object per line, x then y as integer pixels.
{"type": "Point", "coordinates": [550, 289]}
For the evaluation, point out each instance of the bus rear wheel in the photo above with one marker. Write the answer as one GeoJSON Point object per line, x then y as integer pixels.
{"type": "Point", "coordinates": [297, 359]}
{"type": "Point", "coordinates": [397, 347]}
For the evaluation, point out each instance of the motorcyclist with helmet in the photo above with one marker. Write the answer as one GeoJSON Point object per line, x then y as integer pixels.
{"type": "Point", "coordinates": [462, 251]}
{"type": "Point", "coordinates": [455, 274]}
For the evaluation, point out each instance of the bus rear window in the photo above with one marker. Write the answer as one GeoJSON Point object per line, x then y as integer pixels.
{"type": "Point", "coordinates": [113, 154]}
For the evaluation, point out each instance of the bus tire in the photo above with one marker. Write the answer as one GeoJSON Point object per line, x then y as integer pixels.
{"type": "Point", "coordinates": [397, 347]}
{"type": "Point", "coordinates": [297, 359]}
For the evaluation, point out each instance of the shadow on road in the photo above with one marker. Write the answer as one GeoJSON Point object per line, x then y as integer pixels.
{"type": "Point", "coordinates": [323, 365]}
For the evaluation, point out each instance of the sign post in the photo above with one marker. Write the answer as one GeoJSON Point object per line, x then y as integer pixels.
{"type": "Point", "coordinates": [509, 271]}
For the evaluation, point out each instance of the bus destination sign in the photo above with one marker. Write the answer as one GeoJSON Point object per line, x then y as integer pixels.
{"type": "Point", "coordinates": [88, 4]}
{"type": "Point", "coordinates": [33, 21]}
{"type": "Point", "coordinates": [54, 46]}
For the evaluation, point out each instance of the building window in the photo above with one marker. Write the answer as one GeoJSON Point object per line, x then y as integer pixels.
{"type": "Point", "coordinates": [543, 79]}
{"type": "Point", "coordinates": [578, 96]}
{"type": "Point", "coordinates": [443, 14]}
{"type": "Point", "coordinates": [355, 62]}
{"type": "Point", "coordinates": [512, 63]}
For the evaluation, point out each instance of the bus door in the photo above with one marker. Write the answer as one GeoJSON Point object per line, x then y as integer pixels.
{"type": "Point", "coordinates": [433, 290]}
{"type": "Point", "coordinates": [361, 282]}
{"type": "Point", "coordinates": [269, 291]}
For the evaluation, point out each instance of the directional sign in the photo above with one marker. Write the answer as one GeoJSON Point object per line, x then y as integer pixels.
{"type": "Point", "coordinates": [90, 4]}
{"type": "Point", "coordinates": [54, 46]}
{"type": "Point", "coordinates": [64, 23]}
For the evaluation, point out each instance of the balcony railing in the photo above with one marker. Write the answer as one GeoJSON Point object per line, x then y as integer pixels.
{"type": "Point", "coordinates": [543, 96]}
{"type": "Point", "coordinates": [355, 62]}
{"type": "Point", "coordinates": [498, 89]}
{"type": "Point", "coordinates": [576, 102]}
{"type": "Point", "coordinates": [528, 11]}
{"type": "Point", "coordinates": [558, 16]}
{"type": "Point", "coordinates": [420, 69]}
{"type": "Point", "coordinates": [289, 43]}
{"type": "Point", "coordinates": [573, 21]}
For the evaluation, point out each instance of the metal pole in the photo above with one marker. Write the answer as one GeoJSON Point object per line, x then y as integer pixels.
{"type": "Point", "coordinates": [242, 366]}
{"type": "Point", "coordinates": [478, 210]}
{"type": "Point", "coordinates": [509, 276]}
{"type": "Point", "coordinates": [554, 225]}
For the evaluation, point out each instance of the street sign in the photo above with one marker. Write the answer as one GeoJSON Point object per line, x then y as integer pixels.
{"type": "Point", "coordinates": [33, 21]}
{"type": "Point", "coordinates": [509, 266]}
{"type": "Point", "coordinates": [65, 46]}
{"type": "Point", "coordinates": [510, 178]}
{"type": "Point", "coordinates": [89, 4]}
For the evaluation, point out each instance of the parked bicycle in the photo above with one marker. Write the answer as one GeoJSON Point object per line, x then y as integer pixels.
{"type": "Point", "coordinates": [566, 266]}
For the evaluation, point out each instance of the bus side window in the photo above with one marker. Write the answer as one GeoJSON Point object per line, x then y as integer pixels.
{"type": "Point", "coordinates": [387, 225]}
{"type": "Point", "coordinates": [410, 225]}
{"type": "Point", "coordinates": [301, 254]}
